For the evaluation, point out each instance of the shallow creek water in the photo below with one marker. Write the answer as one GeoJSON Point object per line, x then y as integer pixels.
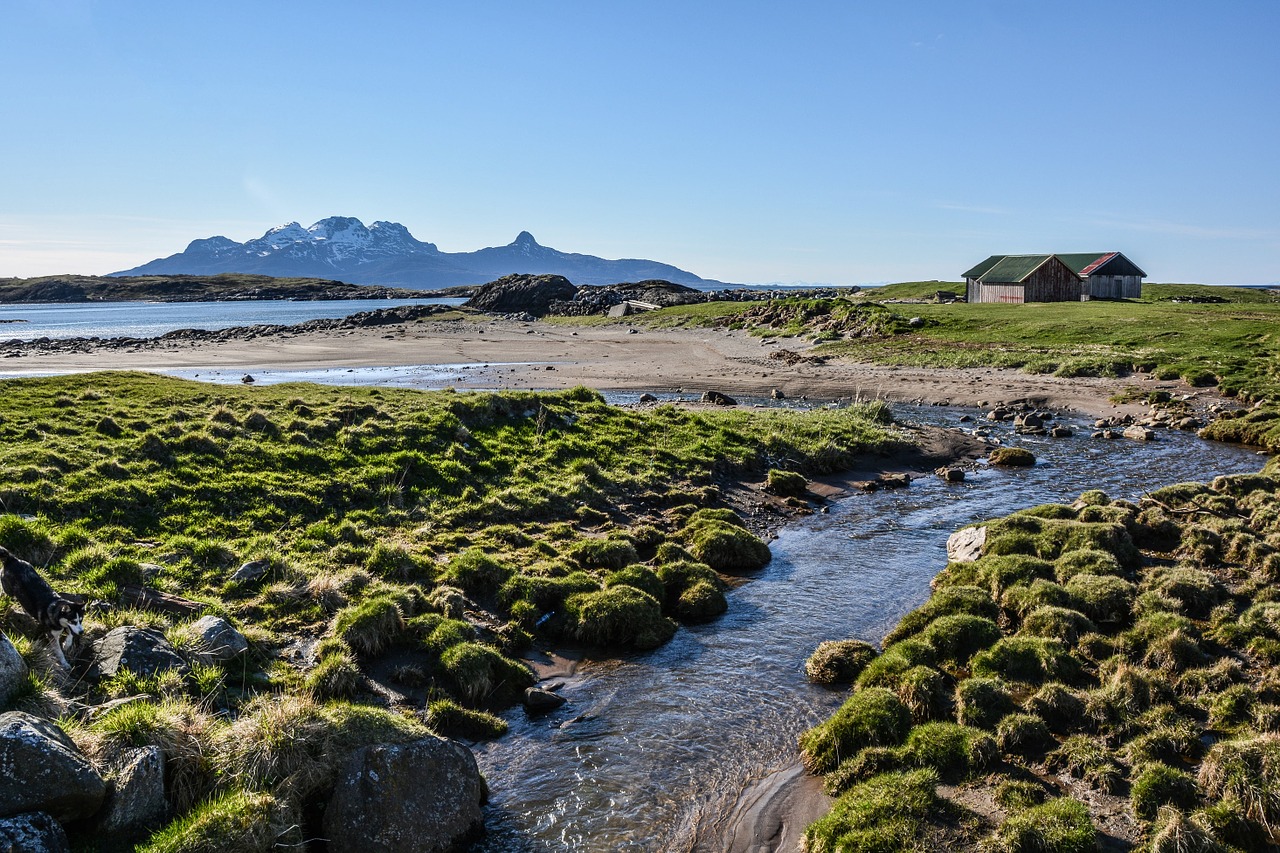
{"type": "Point", "coordinates": [668, 740]}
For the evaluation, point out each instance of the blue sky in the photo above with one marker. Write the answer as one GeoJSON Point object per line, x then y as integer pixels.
{"type": "Point", "coordinates": [825, 142]}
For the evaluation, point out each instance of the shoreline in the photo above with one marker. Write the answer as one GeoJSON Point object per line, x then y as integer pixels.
{"type": "Point", "coordinates": [492, 353]}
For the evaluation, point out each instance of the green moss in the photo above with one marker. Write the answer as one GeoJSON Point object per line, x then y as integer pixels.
{"type": "Point", "coordinates": [786, 483]}
{"type": "Point", "coordinates": [1157, 785]}
{"type": "Point", "coordinates": [452, 720]}
{"type": "Point", "coordinates": [1015, 796]}
{"type": "Point", "coordinates": [1015, 457]}
{"type": "Point", "coordinates": [613, 554]}
{"type": "Point", "coordinates": [370, 626]}
{"type": "Point", "coordinates": [954, 751]}
{"type": "Point", "coordinates": [957, 637]}
{"type": "Point", "coordinates": [702, 601]}
{"type": "Point", "coordinates": [1060, 622]}
{"type": "Point", "coordinates": [889, 812]}
{"type": "Point", "coordinates": [640, 577]}
{"type": "Point", "coordinates": [1246, 771]}
{"type": "Point", "coordinates": [1022, 599]}
{"type": "Point", "coordinates": [947, 601]}
{"type": "Point", "coordinates": [1024, 734]}
{"type": "Point", "coordinates": [870, 717]}
{"type": "Point", "coordinates": [886, 670]}
{"type": "Point", "coordinates": [724, 545]}
{"type": "Point", "coordinates": [1028, 659]}
{"type": "Point", "coordinates": [1085, 561]}
{"type": "Point", "coordinates": [617, 616]}
{"type": "Point", "coordinates": [1061, 825]}
{"type": "Point", "coordinates": [482, 676]}
{"type": "Point", "coordinates": [839, 661]}
{"type": "Point", "coordinates": [1061, 709]}
{"type": "Point", "coordinates": [982, 702]}
{"type": "Point", "coordinates": [233, 822]}
{"type": "Point", "coordinates": [1087, 758]}
{"type": "Point", "coordinates": [925, 691]}
{"type": "Point", "coordinates": [1103, 598]}
{"type": "Point", "coordinates": [476, 573]}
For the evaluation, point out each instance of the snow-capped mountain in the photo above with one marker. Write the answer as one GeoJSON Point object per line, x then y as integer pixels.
{"type": "Point", "coordinates": [342, 247]}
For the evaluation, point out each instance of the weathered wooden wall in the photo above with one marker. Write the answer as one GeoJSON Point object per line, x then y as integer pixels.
{"type": "Point", "coordinates": [1054, 281]}
{"type": "Point", "coordinates": [980, 292]}
{"type": "Point", "coordinates": [1115, 286]}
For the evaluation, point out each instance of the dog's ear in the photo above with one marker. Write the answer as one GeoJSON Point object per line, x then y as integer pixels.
{"type": "Point", "coordinates": [4, 554]}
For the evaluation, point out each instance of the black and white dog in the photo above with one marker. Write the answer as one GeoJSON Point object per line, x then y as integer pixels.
{"type": "Point", "coordinates": [56, 614]}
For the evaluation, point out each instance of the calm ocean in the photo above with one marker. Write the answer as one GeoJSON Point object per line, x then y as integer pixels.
{"type": "Point", "coordinates": [151, 319]}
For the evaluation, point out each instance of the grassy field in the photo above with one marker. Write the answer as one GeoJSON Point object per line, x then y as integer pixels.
{"type": "Point", "coordinates": [1233, 345]}
{"type": "Point", "coordinates": [422, 539]}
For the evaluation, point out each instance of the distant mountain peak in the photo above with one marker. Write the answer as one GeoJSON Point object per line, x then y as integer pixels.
{"type": "Point", "coordinates": [342, 247]}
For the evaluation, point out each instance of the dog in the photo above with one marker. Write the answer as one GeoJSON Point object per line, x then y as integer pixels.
{"type": "Point", "coordinates": [61, 616]}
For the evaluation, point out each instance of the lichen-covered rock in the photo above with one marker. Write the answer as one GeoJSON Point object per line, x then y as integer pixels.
{"type": "Point", "coordinates": [136, 801]}
{"type": "Point", "coordinates": [42, 770]}
{"type": "Point", "coordinates": [419, 797]}
{"type": "Point", "coordinates": [216, 641]}
{"type": "Point", "coordinates": [142, 651]}
{"type": "Point", "coordinates": [35, 832]}
{"type": "Point", "coordinates": [965, 545]}
{"type": "Point", "coordinates": [13, 669]}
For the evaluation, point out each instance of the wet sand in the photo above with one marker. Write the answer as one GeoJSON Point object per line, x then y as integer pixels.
{"type": "Point", "coordinates": [506, 354]}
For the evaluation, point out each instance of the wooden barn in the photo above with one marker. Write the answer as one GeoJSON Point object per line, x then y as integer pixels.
{"type": "Point", "coordinates": [1023, 278]}
{"type": "Point", "coordinates": [1107, 275]}
{"type": "Point", "coordinates": [1054, 278]}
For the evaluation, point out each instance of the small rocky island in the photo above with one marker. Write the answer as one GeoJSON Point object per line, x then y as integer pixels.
{"type": "Point", "coordinates": [189, 288]}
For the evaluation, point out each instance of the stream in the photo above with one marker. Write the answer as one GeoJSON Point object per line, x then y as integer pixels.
{"type": "Point", "coordinates": [650, 747]}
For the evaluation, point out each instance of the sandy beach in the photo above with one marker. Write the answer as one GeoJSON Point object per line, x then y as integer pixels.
{"type": "Point", "coordinates": [492, 353]}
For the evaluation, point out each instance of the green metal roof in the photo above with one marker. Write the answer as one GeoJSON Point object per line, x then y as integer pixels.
{"type": "Point", "coordinates": [1013, 268]}
{"type": "Point", "coordinates": [983, 267]}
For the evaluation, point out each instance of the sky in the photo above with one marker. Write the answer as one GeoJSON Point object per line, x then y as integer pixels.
{"type": "Point", "coordinates": [825, 142]}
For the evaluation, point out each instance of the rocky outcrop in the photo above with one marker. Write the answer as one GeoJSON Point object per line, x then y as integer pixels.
{"type": "Point", "coordinates": [529, 294]}
{"type": "Point", "coordinates": [216, 641]}
{"type": "Point", "coordinates": [538, 700]}
{"type": "Point", "coordinates": [35, 832]}
{"type": "Point", "coordinates": [965, 545]}
{"type": "Point", "coordinates": [717, 398]}
{"type": "Point", "coordinates": [13, 669]}
{"type": "Point", "coordinates": [142, 651]}
{"type": "Point", "coordinates": [419, 797]}
{"type": "Point", "coordinates": [41, 770]}
{"type": "Point", "coordinates": [136, 800]}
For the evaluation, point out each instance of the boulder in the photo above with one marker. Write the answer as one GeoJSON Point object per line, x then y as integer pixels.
{"type": "Point", "coordinates": [136, 800]}
{"type": "Point", "coordinates": [13, 669]}
{"type": "Point", "coordinates": [648, 398]}
{"type": "Point", "coordinates": [776, 394]}
{"type": "Point", "coordinates": [1061, 432]}
{"type": "Point", "coordinates": [251, 572]}
{"type": "Point", "coordinates": [421, 797]}
{"type": "Point", "coordinates": [1030, 419]}
{"type": "Point", "coordinates": [530, 294]}
{"type": "Point", "coordinates": [216, 641]}
{"type": "Point", "coordinates": [34, 832]}
{"type": "Point", "coordinates": [142, 651]}
{"type": "Point", "coordinates": [1139, 433]}
{"type": "Point", "coordinates": [41, 770]}
{"type": "Point", "coordinates": [894, 481]}
{"type": "Point", "coordinates": [539, 701]}
{"type": "Point", "coordinates": [965, 545]}
{"type": "Point", "coordinates": [951, 475]}
{"type": "Point", "coordinates": [718, 399]}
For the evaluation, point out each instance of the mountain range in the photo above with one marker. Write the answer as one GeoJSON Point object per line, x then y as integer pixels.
{"type": "Point", "coordinates": [385, 253]}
